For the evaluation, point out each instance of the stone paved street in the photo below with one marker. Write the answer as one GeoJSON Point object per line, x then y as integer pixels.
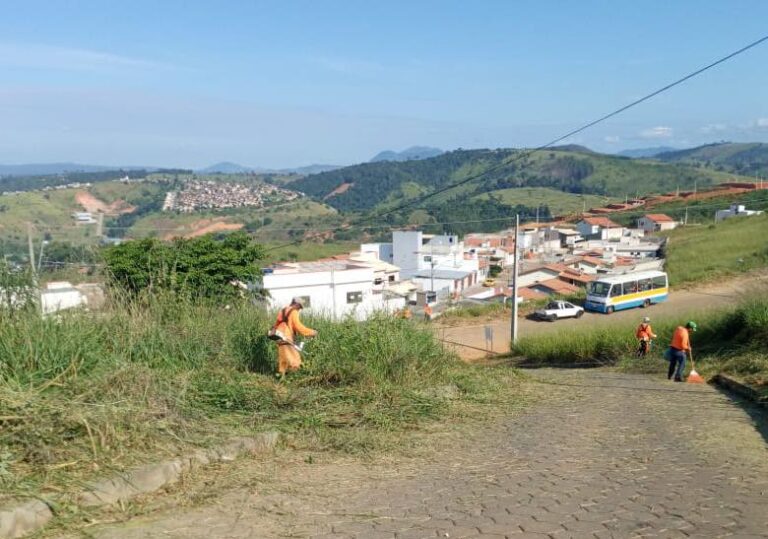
{"type": "Point", "coordinates": [609, 455]}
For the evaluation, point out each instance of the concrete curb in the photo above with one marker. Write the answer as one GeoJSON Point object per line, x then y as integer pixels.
{"type": "Point", "coordinates": [740, 389]}
{"type": "Point", "coordinates": [30, 516]}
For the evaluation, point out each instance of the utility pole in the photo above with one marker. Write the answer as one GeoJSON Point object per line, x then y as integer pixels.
{"type": "Point", "coordinates": [685, 221]}
{"type": "Point", "coordinates": [100, 226]}
{"type": "Point", "coordinates": [695, 187]}
{"type": "Point", "coordinates": [515, 272]}
{"type": "Point", "coordinates": [537, 214]}
{"type": "Point", "coordinates": [31, 248]}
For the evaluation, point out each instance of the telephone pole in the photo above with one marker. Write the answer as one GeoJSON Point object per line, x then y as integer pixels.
{"type": "Point", "coordinates": [100, 227]}
{"type": "Point", "coordinates": [515, 272]}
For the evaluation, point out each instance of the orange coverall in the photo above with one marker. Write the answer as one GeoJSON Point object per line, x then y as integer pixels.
{"type": "Point", "coordinates": [644, 332]}
{"type": "Point", "coordinates": [288, 358]}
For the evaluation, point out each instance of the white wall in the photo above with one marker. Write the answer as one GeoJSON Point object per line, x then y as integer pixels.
{"type": "Point", "coordinates": [327, 292]}
{"type": "Point", "coordinates": [60, 299]}
{"type": "Point", "coordinates": [406, 251]}
{"type": "Point", "coordinates": [534, 277]}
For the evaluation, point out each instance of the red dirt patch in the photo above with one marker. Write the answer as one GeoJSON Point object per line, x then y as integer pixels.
{"type": "Point", "coordinates": [203, 227]}
{"type": "Point", "coordinates": [94, 205]}
{"type": "Point", "coordinates": [343, 188]}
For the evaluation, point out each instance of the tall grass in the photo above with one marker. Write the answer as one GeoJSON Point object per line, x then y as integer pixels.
{"type": "Point", "coordinates": [158, 374]}
{"type": "Point", "coordinates": [704, 252]}
{"type": "Point", "coordinates": [732, 341]}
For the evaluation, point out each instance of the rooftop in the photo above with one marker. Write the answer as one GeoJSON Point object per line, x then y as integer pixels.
{"type": "Point", "coordinates": [602, 222]}
{"type": "Point", "coordinates": [557, 286]}
{"type": "Point", "coordinates": [317, 266]}
{"type": "Point", "coordinates": [659, 218]}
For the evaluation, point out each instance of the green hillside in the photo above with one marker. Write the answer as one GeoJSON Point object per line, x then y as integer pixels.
{"type": "Point", "coordinates": [573, 170]}
{"type": "Point", "coordinates": [749, 158]}
{"type": "Point", "coordinates": [558, 202]}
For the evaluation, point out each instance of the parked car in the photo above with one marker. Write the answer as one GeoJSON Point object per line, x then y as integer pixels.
{"type": "Point", "coordinates": [489, 283]}
{"type": "Point", "coordinates": [555, 310]}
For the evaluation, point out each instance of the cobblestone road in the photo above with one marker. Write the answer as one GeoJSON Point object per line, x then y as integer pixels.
{"type": "Point", "coordinates": [609, 455]}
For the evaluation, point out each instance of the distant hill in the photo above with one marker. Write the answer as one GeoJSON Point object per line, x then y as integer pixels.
{"type": "Point", "coordinates": [646, 152]}
{"type": "Point", "coordinates": [39, 169]}
{"type": "Point", "coordinates": [747, 158]}
{"type": "Point", "coordinates": [227, 167]}
{"type": "Point", "coordinates": [409, 154]}
{"type": "Point", "coordinates": [378, 185]}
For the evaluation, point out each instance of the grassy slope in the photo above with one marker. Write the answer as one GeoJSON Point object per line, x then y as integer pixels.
{"type": "Point", "coordinates": [379, 185]}
{"type": "Point", "coordinates": [559, 203]}
{"type": "Point", "coordinates": [697, 253]}
{"type": "Point", "coordinates": [100, 392]}
{"type": "Point", "coordinates": [745, 158]}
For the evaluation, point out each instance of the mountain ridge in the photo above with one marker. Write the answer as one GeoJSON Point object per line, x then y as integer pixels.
{"type": "Point", "coordinates": [409, 154]}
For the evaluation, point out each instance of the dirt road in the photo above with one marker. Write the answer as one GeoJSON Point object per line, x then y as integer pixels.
{"type": "Point", "coordinates": [605, 455]}
{"type": "Point", "coordinates": [469, 340]}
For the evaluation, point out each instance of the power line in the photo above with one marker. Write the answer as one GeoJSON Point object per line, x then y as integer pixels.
{"type": "Point", "coordinates": [584, 127]}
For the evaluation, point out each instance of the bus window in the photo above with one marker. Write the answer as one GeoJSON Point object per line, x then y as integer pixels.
{"type": "Point", "coordinates": [660, 281]}
{"type": "Point", "coordinates": [630, 287]}
{"type": "Point", "coordinates": [645, 284]}
{"type": "Point", "coordinates": [597, 288]}
{"type": "Point", "coordinates": [616, 290]}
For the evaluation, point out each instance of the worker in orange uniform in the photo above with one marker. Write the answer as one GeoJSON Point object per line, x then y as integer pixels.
{"type": "Point", "coordinates": [427, 312]}
{"type": "Point", "coordinates": [679, 350]}
{"type": "Point", "coordinates": [287, 326]}
{"type": "Point", "coordinates": [645, 335]}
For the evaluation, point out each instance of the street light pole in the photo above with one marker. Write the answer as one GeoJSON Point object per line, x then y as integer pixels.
{"type": "Point", "coordinates": [515, 272]}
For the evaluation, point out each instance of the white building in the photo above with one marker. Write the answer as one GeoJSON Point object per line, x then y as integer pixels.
{"type": "Point", "coordinates": [600, 228]}
{"type": "Point", "coordinates": [59, 296]}
{"type": "Point", "coordinates": [335, 288]}
{"type": "Point", "coordinates": [83, 218]}
{"type": "Point", "coordinates": [656, 222]}
{"type": "Point", "coordinates": [736, 210]}
{"type": "Point", "coordinates": [437, 263]}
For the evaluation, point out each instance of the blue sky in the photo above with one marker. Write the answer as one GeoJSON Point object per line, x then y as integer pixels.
{"type": "Point", "coordinates": [288, 83]}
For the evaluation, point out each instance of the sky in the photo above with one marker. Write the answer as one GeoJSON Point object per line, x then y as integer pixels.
{"type": "Point", "coordinates": [288, 83]}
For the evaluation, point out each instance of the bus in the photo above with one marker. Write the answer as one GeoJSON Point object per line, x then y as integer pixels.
{"type": "Point", "coordinates": [615, 292]}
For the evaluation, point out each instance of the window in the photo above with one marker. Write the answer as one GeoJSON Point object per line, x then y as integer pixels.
{"type": "Point", "coordinates": [378, 281]}
{"type": "Point", "coordinates": [597, 288]}
{"type": "Point", "coordinates": [660, 281]}
{"type": "Point", "coordinates": [645, 284]}
{"type": "Point", "coordinates": [630, 287]}
{"type": "Point", "coordinates": [427, 259]}
{"type": "Point", "coordinates": [354, 297]}
{"type": "Point", "coordinates": [616, 291]}
{"type": "Point", "coordinates": [391, 278]}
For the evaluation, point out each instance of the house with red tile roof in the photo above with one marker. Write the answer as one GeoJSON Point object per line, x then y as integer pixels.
{"type": "Point", "coordinates": [655, 222]}
{"type": "Point", "coordinates": [599, 228]}
{"type": "Point", "coordinates": [554, 286]}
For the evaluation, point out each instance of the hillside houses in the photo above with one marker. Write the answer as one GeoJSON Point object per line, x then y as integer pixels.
{"type": "Point", "coordinates": [554, 259]}
{"type": "Point", "coordinates": [735, 210]}
{"type": "Point", "coordinates": [199, 195]}
{"type": "Point", "coordinates": [656, 222]}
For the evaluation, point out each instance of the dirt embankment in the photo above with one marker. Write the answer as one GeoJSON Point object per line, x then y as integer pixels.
{"type": "Point", "coordinates": [341, 189]}
{"type": "Point", "coordinates": [203, 227]}
{"type": "Point", "coordinates": [93, 205]}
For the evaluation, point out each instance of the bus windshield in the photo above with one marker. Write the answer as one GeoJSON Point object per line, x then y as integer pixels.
{"type": "Point", "coordinates": [597, 288]}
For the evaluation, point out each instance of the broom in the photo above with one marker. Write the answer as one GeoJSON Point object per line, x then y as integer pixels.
{"type": "Point", "coordinates": [694, 377]}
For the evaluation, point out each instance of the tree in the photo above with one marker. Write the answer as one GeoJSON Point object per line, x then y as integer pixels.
{"type": "Point", "coordinates": [198, 267]}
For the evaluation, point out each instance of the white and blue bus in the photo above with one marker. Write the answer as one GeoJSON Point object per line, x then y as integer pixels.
{"type": "Point", "coordinates": [615, 292]}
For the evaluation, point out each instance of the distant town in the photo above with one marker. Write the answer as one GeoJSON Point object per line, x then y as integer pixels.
{"type": "Point", "coordinates": [207, 195]}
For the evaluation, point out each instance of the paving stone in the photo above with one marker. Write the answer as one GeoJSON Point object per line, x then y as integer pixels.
{"type": "Point", "coordinates": [604, 455]}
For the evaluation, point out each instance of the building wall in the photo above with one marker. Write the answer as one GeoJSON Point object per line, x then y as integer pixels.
{"type": "Point", "coordinates": [611, 233]}
{"type": "Point", "coordinates": [406, 251]}
{"type": "Point", "coordinates": [327, 292]}
{"type": "Point", "coordinates": [533, 277]}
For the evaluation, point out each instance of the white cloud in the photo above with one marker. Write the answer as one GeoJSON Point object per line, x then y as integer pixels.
{"type": "Point", "coordinates": [762, 123]}
{"type": "Point", "coordinates": [611, 139]}
{"type": "Point", "coordinates": [657, 132]}
{"type": "Point", "coordinates": [51, 57]}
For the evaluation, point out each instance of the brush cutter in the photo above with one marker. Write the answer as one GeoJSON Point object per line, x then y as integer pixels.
{"type": "Point", "coordinates": [694, 377]}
